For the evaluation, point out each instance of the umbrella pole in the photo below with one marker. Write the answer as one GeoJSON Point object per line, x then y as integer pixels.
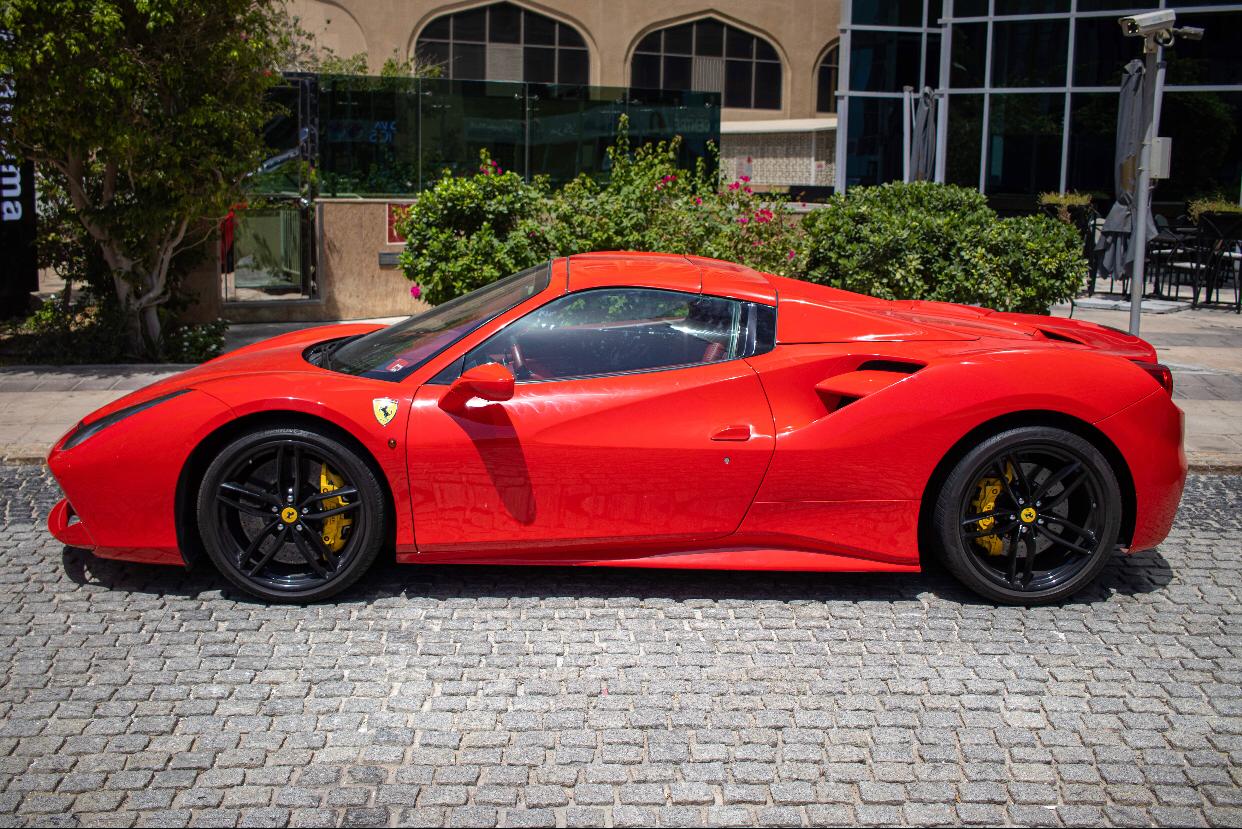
{"type": "Point", "coordinates": [1153, 91]}
{"type": "Point", "coordinates": [907, 114]}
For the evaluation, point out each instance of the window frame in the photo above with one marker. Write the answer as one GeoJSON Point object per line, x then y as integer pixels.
{"type": "Point", "coordinates": [662, 53]}
{"type": "Point", "coordinates": [753, 340]}
{"type": "Point", "coordinates": [558, 46]}
{"type": "Point", "coordinates": [833, 51]}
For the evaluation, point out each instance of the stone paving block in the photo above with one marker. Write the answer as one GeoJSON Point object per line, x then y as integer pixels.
{"type": "Point", "coordinates": [440, 696]}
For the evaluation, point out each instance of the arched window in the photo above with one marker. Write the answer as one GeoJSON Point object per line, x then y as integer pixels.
{"type": "Point", "coordinates": [826, 82]}
{"type": "Point", "coordinates": [710, 56]}
{"type": "Point", "coordinates": [503, 42]}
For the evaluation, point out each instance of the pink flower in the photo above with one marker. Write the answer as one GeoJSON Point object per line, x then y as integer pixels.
{"type": "Point", "coordinates": [735, 185]}
{"type": "Point", "coordinates": [668, 178]}
{"type": "Point", "coordinates": [756, 243]}
{"type": "Point", "coordinates": [791, 254]}
{"type": "Point", "coordinates": [743, 219]}
{"type": "Point", "coordinates": [747, 190]}
{"type": "Point", "coordinates": [416, 291]}
{"type": "Point", "coordinates": [698, 199]}
{"type": "Point", "coordinates": [745, 178]}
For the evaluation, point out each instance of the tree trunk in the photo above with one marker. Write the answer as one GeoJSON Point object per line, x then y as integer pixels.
{"type": "Point", "coordinates": [149, 319]}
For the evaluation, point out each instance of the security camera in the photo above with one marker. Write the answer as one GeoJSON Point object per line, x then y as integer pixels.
{"type": "Point", "coordinates": [1151, 23]}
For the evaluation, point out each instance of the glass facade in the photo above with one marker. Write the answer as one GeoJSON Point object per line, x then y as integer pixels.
{"type": "Point", "coordinates": [1030, 93]}
{"type": "Point", "coordinates": [372, 137]}
{"type": "Point", "coordinates": [885, 45]}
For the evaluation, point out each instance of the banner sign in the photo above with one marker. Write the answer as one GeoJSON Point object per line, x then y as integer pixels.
{"type": "Point", "coordinates": [19, 269]}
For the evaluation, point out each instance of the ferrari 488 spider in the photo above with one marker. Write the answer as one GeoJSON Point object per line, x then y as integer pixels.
{"type": "Point", "coordinates": [644, 410]}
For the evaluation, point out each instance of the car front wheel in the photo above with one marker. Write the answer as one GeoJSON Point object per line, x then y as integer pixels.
{"type": "Point", "coordinates": [291, 515]}
{"type": "Point", "coordinates": [1029, 516]}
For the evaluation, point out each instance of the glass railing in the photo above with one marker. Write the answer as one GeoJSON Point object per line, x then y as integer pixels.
{"type": "Point", "coordinates": [354, 136]}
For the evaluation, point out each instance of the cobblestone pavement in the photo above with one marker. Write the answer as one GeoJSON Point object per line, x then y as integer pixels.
{"type": "Point", "coordinates": [474, 696]}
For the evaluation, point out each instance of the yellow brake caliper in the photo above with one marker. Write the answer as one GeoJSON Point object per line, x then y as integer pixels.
{"type": "Point", "coordinates": [335, 527]}
{"type": "Point", "coordinates": [989, 491]}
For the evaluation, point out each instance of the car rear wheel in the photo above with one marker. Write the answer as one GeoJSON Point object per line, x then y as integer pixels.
{"type": "Point", "coordinates": [1029, 516]}
{"type": "Point", "coordinates": [291, 515]}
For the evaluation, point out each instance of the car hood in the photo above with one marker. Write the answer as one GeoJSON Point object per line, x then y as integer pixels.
{"type": "Point", "coordinates": [278, 355]}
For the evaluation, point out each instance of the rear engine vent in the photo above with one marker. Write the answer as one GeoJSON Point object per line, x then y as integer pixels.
{"type": "Point", "coordinates": [843, 401]}
{"type": "Point", "coordinates": [895, 366]}
{"type": "Point", "coordinates": [1053, 335]}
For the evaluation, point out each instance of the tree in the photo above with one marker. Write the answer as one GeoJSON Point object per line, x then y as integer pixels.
{"type": "Point", "coordinates": [151, 111]}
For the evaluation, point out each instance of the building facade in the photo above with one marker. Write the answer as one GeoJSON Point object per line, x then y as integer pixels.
{"type": "Point", "coordinates": [774, 63]}
{"type": "Point", "coordinates": [1029, 92]}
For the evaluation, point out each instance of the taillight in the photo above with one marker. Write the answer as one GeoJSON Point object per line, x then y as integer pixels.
{"type": "Point", "coordinates": [1160, 373]}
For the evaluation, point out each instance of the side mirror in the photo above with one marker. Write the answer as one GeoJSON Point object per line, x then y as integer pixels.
{"type": "Point", "coordinates": [490, 381]}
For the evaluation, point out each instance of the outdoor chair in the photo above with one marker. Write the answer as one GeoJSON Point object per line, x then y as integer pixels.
{"type": "Point", "coordinates": [1221, 236]}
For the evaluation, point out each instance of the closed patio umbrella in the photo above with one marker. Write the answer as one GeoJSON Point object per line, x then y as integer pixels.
{"type": "Point", "coordinates": [923, 141]}
{"type": "Point", "coordinates": [1116, 251]}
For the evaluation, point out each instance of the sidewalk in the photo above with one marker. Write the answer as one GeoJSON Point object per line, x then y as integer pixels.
{"type": "Point", "coordinates": [1203, 347]}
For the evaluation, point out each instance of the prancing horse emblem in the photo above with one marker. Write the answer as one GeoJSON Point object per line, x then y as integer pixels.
{"type": "Point", "coordinates": [385, 409]}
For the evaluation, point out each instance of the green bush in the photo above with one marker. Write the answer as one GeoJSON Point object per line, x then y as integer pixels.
{"type": "Point", "coordinates": [466, 232]}
{"type": "Point", "coordinates": [194, 343]}
{"type": "Point", "coordinates": [81, 331]}
{"type": "Point", "coordinates": [896, 241]}
{"type": "Point", "coordinates": [941, 242]}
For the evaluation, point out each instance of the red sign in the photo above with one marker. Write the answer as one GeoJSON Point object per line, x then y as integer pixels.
{"type": "Point", "coordinates": [395, 212]}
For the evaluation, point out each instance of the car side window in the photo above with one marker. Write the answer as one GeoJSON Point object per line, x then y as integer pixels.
{"type": "Point", "coordinates": [613, 331]}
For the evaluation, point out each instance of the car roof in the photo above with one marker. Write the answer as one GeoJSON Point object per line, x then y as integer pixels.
{"type": "Point", "coordinates": [670, 272]}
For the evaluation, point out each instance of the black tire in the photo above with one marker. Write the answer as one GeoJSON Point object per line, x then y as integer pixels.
{"type": "Point", "coordinates": [282, 556]}
{"type": "Point", "coordinates": [1056, 514]}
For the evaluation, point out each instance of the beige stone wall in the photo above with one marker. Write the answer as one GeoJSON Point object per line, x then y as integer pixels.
{"type": "Point", "coordinates": [800, 30]}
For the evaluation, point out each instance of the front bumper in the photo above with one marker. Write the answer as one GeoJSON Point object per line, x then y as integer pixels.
{"type": "Point", "coordinates": [64, 524]}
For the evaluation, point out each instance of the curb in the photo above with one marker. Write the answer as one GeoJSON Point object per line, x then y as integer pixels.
{"type": "Point", "coordinates": [1215, 465]}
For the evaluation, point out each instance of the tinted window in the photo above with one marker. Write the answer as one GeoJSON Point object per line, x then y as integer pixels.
{"type": "Point", "coordinates": [615, 330]}
{"type": "Point", "coordinates": [1024, 143]}
{"type": "Point", "coordinates": [968, 56]}
{"type": "Point", "coordinates": [394, 352]}
{"type": "Point", "coordinates": [1029, 53]}
{"type": "Point", "coordinates": [884, 61]}
{"type": "Point", "coordinates": [887, 12]}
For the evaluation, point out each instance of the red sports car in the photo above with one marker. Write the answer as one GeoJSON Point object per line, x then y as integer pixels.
{"type": "Point", "coordinates": [644, 410]}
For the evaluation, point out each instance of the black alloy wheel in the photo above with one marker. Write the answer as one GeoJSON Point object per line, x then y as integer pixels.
{"type": "Point", "coordinates": [291, 514]}
{"type": "Point", "coordinates": [1030, 516]}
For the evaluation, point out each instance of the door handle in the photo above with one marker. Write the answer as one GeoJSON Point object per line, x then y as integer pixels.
{"type": "Point", "coordinates": [733, 433]}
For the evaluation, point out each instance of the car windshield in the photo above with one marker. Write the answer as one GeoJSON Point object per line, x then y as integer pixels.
{"type": "Point", "coordinates": [394, 352]}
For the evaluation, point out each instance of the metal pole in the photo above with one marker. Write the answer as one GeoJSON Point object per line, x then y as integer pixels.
{"type": "Point", "coordinates": [907, 95]}
{"type": "Point", "coordinates": [1153, 88]}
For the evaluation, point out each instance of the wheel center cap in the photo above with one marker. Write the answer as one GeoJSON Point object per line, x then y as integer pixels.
{"type": "Point", "coordinates": [1028, 515]}
{"type": "Point", "coordinates": [290, 514]}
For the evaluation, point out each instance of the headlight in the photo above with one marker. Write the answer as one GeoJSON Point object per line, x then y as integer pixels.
{"type": "Point", "coordinates": [89, 430]}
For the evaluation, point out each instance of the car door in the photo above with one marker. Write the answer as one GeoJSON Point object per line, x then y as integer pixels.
{"type": "Point", "coordinates": [633, 420]}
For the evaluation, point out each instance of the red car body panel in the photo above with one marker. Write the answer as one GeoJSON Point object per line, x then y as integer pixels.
{"type": "Point", "coordinates": [813, 456]}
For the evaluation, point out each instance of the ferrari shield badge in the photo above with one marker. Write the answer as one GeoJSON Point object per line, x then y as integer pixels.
{"type": "Point", "coordinates": [385, 409]}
